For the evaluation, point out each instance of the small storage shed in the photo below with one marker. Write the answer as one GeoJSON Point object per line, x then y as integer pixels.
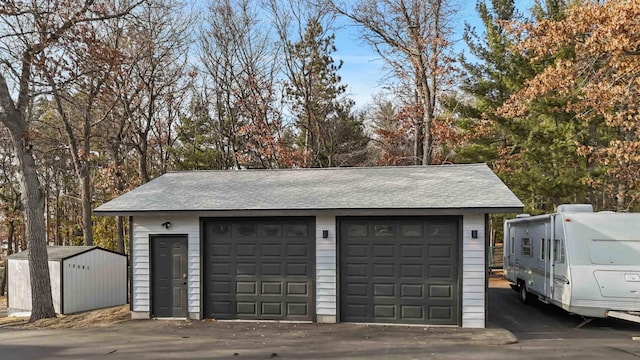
{"type": "Point", "coordinates": [82, 278]}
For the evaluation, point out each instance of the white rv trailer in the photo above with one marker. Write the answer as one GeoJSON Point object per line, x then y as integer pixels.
{"type": "Point", "coordinates": [584, 262]}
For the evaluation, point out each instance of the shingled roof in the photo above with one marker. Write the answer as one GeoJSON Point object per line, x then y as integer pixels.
{"type": "Point", "coordinates": [410, 187]}
{"type": "Point", "coordinates": [56, 252]}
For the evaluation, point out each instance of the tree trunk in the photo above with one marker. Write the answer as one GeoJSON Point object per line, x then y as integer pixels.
{"type": "Point", "coordinates": [3, 286]}
{"type": "Point", "coordinates": [33, 200]}
{"type": "Point", "coordinates": [142, 162]}
{"type": "Point", "coordinates": [10, 232]}
{"type": "Point", "coordinates": [621, 196]}
{"type": "Point", "coordinates": [87, 223]}
{"type": "Point", "coordinates": [120, 234]}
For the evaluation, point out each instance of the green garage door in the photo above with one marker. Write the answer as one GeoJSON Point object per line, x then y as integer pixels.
{"type": "Point", "coordinates": [399, 270]}
{"type": "Point", "coordinates": [259, 269]}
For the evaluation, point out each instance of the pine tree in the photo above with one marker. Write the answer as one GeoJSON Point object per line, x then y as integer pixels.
{"type": "Point", "coordinates": [330, 134]}
{"type": "Point", "coordinates": [536, 155]}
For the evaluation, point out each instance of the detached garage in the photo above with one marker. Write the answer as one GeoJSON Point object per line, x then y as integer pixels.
{"type": "Point", "coordinates": [82, 278]}
{"type": "Point", "coordinates": [369, 245]}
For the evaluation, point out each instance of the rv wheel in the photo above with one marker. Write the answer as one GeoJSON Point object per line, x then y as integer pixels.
{"type": "Point", "coordinates": [525, 296]}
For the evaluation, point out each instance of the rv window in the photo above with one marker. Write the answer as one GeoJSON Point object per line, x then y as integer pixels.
{"type": "Point", "coordinates": [511, 249]}
{"type": "Point", "coordinates": [558, 251]}
{"type": "Point", "coordinates": [615, 252]}
{"type": "Point", "coordinates": [542, 241]}
{"type": "Point", "coordinates": [526, 247]}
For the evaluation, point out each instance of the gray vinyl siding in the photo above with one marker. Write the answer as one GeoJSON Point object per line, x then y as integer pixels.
{"type": "Point", "coordinates": [473, 272]}
{"type": "Point", "coordinates": [472, 276]}
{"type": "Point", "coordinates": [143, 227]}
{"type": "Point", "coordinates": [326, 284]}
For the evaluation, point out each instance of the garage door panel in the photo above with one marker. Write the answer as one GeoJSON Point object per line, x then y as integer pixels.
{"type": "Point", "coordinates": [271, 288]}
{"type": "Point", "coordinates": [399, 270]}
{"type": "Point", "coordinates": [411, 271]}
{"type": "Point", "coordinates": [383, 251]}
{"type": "Point", "coordinates": [445, 272]}
{"type": "Point", "coordinates": [220, 287]}
{"type": "Point", "coordinates": [385, 312]}
{"type": "Point", "coordinates": [271, 269]}
{"type": "Point", "coordinates": [355, 290]}
{"type": "Point", "coordinates": [298, 289]}
{"type": "Point", "coordinates": [441, 292]}
{"type": "Point", "coordinates": [383, 270]}
{"type": "Point", "coordinates": [440, 252]}
{"type": "Point", "coordinates": [412, 312]}
{"type": "Point", "coordinates": [246, 250]}
{"type": "Point", "coordinates": [222, 250]}
{"type": "Point", "coordinates": [411, 251]}
{"type": "Point", "coordinates": [246, 308]}
{"type": "Point", "coordinates": [272, 309]}
{"type": "Point", "coordinates": [259, 268]}
{"type": "Point", "coordinates": [441, 313]}
{"type": "Point", "coordinates": [383, 290]}
{"type": "Point", "coordinates": [357, 270]}
{"type": "Point", "coordinates": [297, 250]}
{"type": "Point", "coordinates": [246, 269]}
{"type": "Point", "coordinates": [297, 309]}
{"type": "Point", "coordinates": [357, 250]}
{"type": "Point", "coordinates": [412, 291]}
{"type": "Point", "coordinates": [271, 250]}
{"type": "Point", "coordinates": [246, 287]}
{"type": "Point", "coordinates": [297, 269]}
{"type": "Point", "coordinates": [223, 308]}
{"type": "Point", "coordinates": [221, 269]}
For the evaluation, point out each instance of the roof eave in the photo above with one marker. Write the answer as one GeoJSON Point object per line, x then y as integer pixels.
{"type": "Point", "coordinates": [339, 211]}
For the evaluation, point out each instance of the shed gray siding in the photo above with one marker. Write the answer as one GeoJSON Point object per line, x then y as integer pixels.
{"type": "Point", "coordinates": [19, 287]}
{"type": "Point", "coordinates": [94, 280]}
{"type": "Point", "coordinates": [82, 278]}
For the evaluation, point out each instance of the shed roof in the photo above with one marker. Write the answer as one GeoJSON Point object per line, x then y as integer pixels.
{"type": "Point", "coordinates": [410, 187]}
{"type": "Point", "coordinates": [58, 252]}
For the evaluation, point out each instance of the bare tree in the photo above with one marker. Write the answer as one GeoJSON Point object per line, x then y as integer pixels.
{"type": "Point", "coordinates": [30, 33]}
{"type": "Point", "coordinates": [158, 50]}
{"type": "Point", "coordinates": [10, 204]}
{"type": "Point", "coordinates": [412, 38]}
{"type": "Point", "coordinates": [239, 67]}
{"type": "Point", "coordinates": [81, 104]}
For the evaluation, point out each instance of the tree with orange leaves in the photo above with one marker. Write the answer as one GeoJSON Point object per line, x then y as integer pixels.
{"type": "Point", "coordinates": [596, 48]}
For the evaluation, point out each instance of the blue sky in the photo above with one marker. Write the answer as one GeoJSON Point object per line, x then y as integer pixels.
{"type": "Point", "coordinates": [363, 71]}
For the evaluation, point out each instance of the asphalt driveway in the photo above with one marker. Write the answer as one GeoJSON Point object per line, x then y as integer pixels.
{"type": "Point", "coordinates": [543, 332]}
{"type": "Point", "coordinates": [155, 339]}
